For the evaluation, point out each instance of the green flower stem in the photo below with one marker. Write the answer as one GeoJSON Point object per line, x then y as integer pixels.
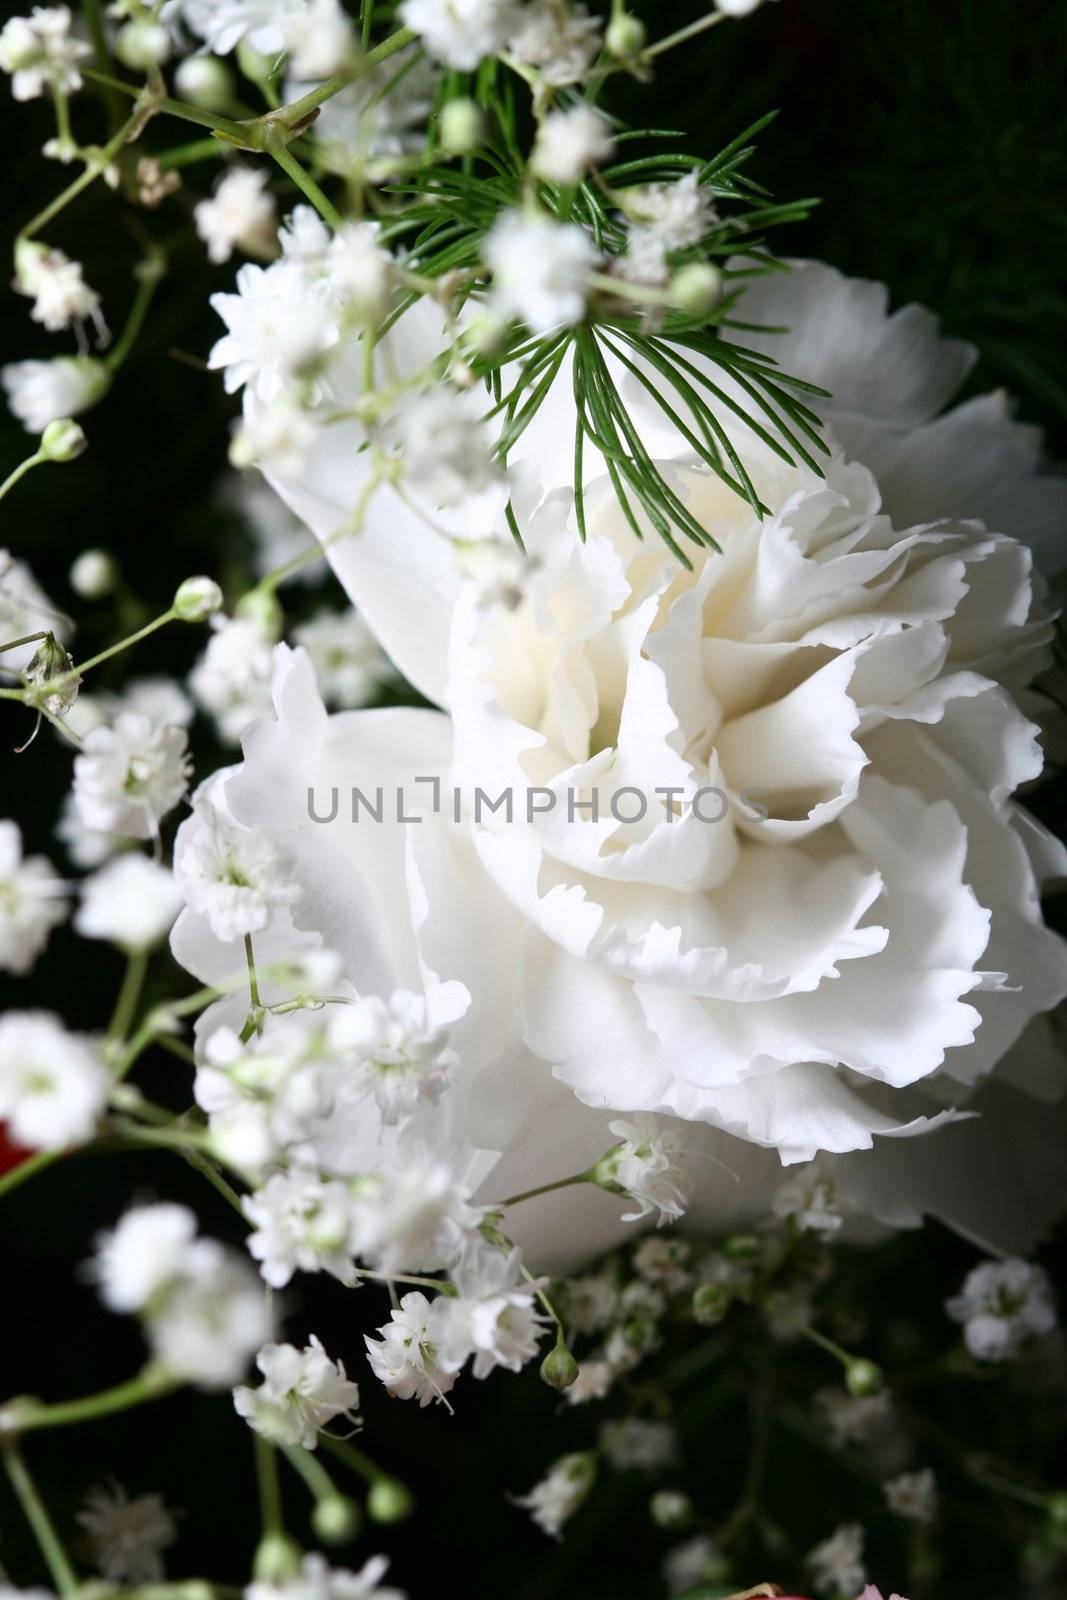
{"type": "Point", "coordinates": [172, 1138]}
{"type": "Point", "coordinates": [682, 35]}
{"type": "Point", "coordinates": [27, 638]}
{"type": "Point", "coordinates": [116, 649]}
{"type": "Point", "coordinates": [278, 148]}
{"type": "Point", "coordinates": [395, 1277]}
{"type": "Point", "coordinates": [5, 488]}
{"type": "Point", "coordinates": [149, 272]}
{"type": "Point", "coordinates": [96, 163]}
{"type": "Point", "coordinates": [253, 981]}
{"type": "Point", "coordinates": [129, 994]}
{"type": "Point", "coordinates": [270, 1495]}
{"type": "Point", "coordinates": [828, 1345]}
{"type": "Point", "coordinates": [28, 1169]}
{"type": "Point", "coordinates": [187, 155]}
{"type": "Point", "coordinates": [31, 1416]}
{"type": "Point", "coordinates": [299, 110]}
{"type": "Point", "coordinates": [63, 1575]}
{"type": "Point", "coordinates": [355, 1459]}
{"type": "Point", "coordinates": [543, 1188]}
{"type": "Point", "coordinates": [314, 1474]}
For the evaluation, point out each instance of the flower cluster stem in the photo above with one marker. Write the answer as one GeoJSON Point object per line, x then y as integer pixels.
{"type": "Point", "coordinates": [63, 1575]}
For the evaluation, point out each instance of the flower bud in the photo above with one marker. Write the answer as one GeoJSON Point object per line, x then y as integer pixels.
{"type": "Point", "coordinates": [63, 440]}
{"type": "Point", "coordinates": [255, 66]}
{"type": "Point", "coordinates": [389, 1501]}
{"type": "Point", "coordinates": [277, 1557]}
{"type": "Point", "coordinates": [50, 661]}
{"type": "Point", "coordinates": [205, 81]}
{"type": "Point", "coordinates": [197, 599]}
{"type": "Point", "coordinates": [1057, 1510]}
{"type": "Point", "coordinates": [863, 1378]}
{"type": "Point", "coordinates": [711, 1302]}
{"type": "Point", "coordinates": [625, 36]}
{"type": "Point", "coordinates": [460, 126]}
{"type": "Point", "coordinates": [336, 1520]}
{"type": "Point", "coordinates": [93, 575]}
{"type": "Point", "coordinates": [697, 287]}
{"type": "Point", "coordinates": [142, 44]}
{"type": "Point", "coordinates": [559, 1368]}
{"type": "Point", "coordinates": [671, 1508]}
{"type": "Point", "coordinates": [742, 1247]}
{"type": "Point", "coordinates": [262, 607]}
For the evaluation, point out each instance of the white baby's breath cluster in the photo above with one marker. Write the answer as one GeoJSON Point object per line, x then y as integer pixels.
{"type": "Point", "coordinates": [487, 1067]}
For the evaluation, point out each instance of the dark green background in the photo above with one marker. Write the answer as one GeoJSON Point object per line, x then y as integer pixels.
{"type": "Point", "coordinates": [933, 131]}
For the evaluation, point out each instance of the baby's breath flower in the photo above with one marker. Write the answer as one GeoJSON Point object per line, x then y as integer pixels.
{"type": "Point", "coordinates": [126, 1537]}
{"type": "Point", "coordinates": [540, 268]}
{"type": "Point", "coordinates": [461, 32]}
{"type": "Point", "coordinates": [53, 1085]}
{"type": "Point", "coordinates": [569, 143]}
{"type": "Point", "coordinates": [32, 902]}
{"type": "Point", "coordinates": [302, 1390]}
{"type": "Point", "coordinates": [41, 53]}
{"type": "Point", "coordinates": [1003, 1304]}
{"type": "Point", "coordinates": [239, 216]}
{"type": "Point", "coordinates": [554, 1500]}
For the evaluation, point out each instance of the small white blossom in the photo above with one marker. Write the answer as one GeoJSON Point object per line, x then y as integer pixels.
{"type": "Point", "coordinates": [497, 567]}
{"type": "Point", "coordinates": [41, 54]}
{"type": "Point", "coordinates": [854, 1419]}
{"type": "Point", "coordinates": [837, 1563]}
{"type": "Point", "coordinates": [318, 1581]}
{"type": "Point", "coordinates": [592, 1301]}
{"type": "Point", "coordinates": [126, 1537]}
{"type": "Point", "coordinates": [233, 876]}
{"type": "Point", "coordinates": [32, 902]}
{"type": "Point", "coordinates": [398, 1056]}
{"type": "Point", "coordinates": [265, 1098]}
{"type": "Point", "coordinates": [676, 214]}
{"type": "Point", "coordinates": [223, 24]}
{"type": "Point", "coordinates": [810, 1200]}
{"type": "Point", "coordinates": [405, 1357]}
{"type": "Point", "coordinates": [461, 32]}
{"type": "Point", "coordinates": [639, 1444]}
{"type": "Point", "coordinates": [359, 271]}
{"type": "Point", "coordinates": [130, 775]}
{"type": "Point", "coordinates": [445, 447]}
{"type": "Point", "coordinates": [493, 1316]}
{"type": "Point", "coordinates": [133, 902]}
{"type": "Point", "coordinates": [554, 1500]}
{"type": "Point", "coordinates": [141, 1254]}
{"type": "Point", "coordinates": [664, 1262]}
{"type": "Point", "coordinates": [646, 1166]}
{"type": "Point", "coordinates": [61, 297]}
{"type": "Point", "coordinates": [239, 216]}
{"type": "Point", "coordinates": [302, 1390]}
{"type": "Point", "coordinates": [1003, 1304]}
{"type": "Point", "coordinates": [212, 1319]}
{"type": "Point", "coordinates": [540, 268]}
{"type": "Point", "coordinates": [569, 143]}
{"type": "Point", "coordinates": [53, 1085]}
{"type": "Point", "coordinates": [280, 323]}
{"type": "Point", "coordinates": [913, 1495]}
{"type": "Point", "coordinates": [413, 1218]}
{"type": "Point", "coordinates": [595, 1380]}
{"type": "Point", "coordinates": [561, 41]}
{"type": "Point", "coordinates": [278, 436]}
{"type": "Point", "coordinates": [737, 8]}
{"type": "Point", "coordinates": [319, 39]}
{"type": "Point", "coordinates": [232, 679]}
{"type": "Point", "coordinates": [303, 1222]}
{"type": "Point", "coordinates": [39, 392]}
{"type": "Point", "coordinates": [350, 665]}
{"type": "Point", "coordinates": [694, 1562]}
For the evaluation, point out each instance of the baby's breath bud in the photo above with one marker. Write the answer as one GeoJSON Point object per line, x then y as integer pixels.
{"type": "Point", "coordinates": [697, 287]}
{"type": "Point", "coordinates": [277, 1558]}
{"type": "Point", "coordinates": [205, 81]}
{"type": "Point", "coordinates": [197, 599]}
{"type": "Point", "coordinates": [461, 127]}
{"type": "Point", "coordinates": [389, 1501]}
{"type": "Point", "coordinates": [51, 662]}
{"type": "Point", "coordinates": [255, 66]}
{"type": "Point", "coordinates": [336, 1520]}
{"type": "Point", "coordinates": [559, 1368]}
{"type": "Point", "coordinates": [63, 440]}
{"type": "Point", "coordinates": [711, 1302]}
{"type": "Point", "coordinates": [863, 1378]}
{"type": "Point", "coordinates": [1057, 1510]}
{"type": "Point", "coordinates": [671, 1508]}
{"type": "Point", "coordinates": [625, 36]}
{"type": "Point", "coordinates": [142, 44]}
{"type": "Point", "coordinates": [742, 1247]}
{"type": "Point", "coordinates": [262, 607]}
{"type": "Point", "coordinates": [93, 575]}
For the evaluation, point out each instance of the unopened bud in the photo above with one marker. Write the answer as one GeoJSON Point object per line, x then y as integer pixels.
{"type": "Point", "coordinates": [142, 44]}
{"type": "Point", "coordinates": [262, 607]}
{"type": "Point", "coordinates": [863, 1378]}
{"type": "Point", "coordinates": [697, 287]}
{"type": "Point", "coordinates": [1057, 1510]}
{"type": "Point", "coordinates": [277, 1557]}
{"type": "Point", "coordinates": [63, 440]}
{"type": "Point", "coordinates": [255, 66]}
{"type": "Point", "coordinates": [671, 1508]}
{"type": "Point", "coordinates": [205, 81]}
{"type": "Point", "coordinates": [336, 1520]}
{"type": "Point", "coordinates": [742, 1247]}
{"type": "Point", "coordinates": [389, 1501]}
{"type": "Point", "coordinates": [625, 36]}
{"type": "Point", "coordinates": [559, 1368]}
{"type": "Point", "coordinates": [197, 599]}
{"type": "Point", "coordinates": [711, 1302]}
{"type": "Point", "coordinates": [461, 127]}
{"type": "Point", "coordinates": [51, 662]}
{"type": "Point", "coordinates": [93, 575]}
